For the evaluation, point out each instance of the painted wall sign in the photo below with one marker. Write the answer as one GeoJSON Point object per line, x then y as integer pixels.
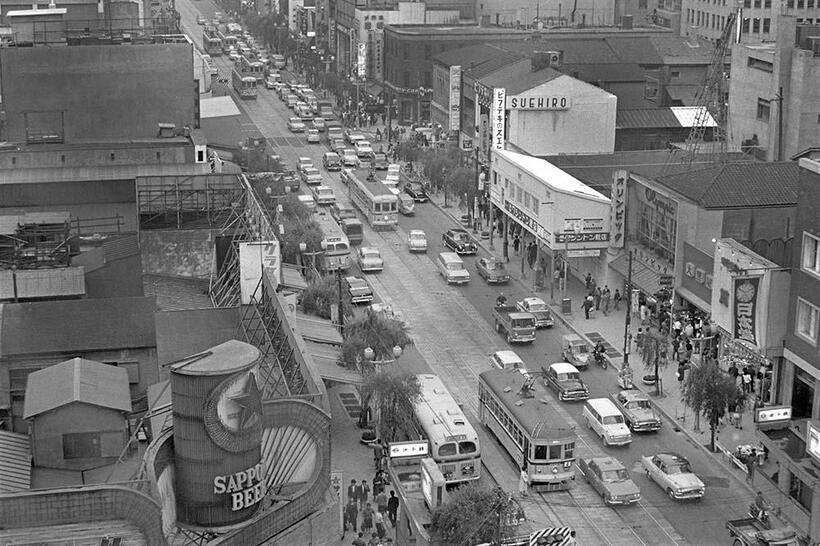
{"type": "Point", "coordinates": [526, 220]}
{"type": "Point", "coordinates": [408, 449]}
{"type": "Point", "coordinates": [483, 95]}
{"type": "Point", "coordinates": [538, 102]}
{"type": "Point", "coordinates": [497, 118]}
{"type": "Point", "coordinates": [455, 98]}
{"type": "Point", "coordinates": [773, 414]}
{"type": "Point", "coordinates": [745, 308]}
{"type": "Point", "coordinates": [618, 209]}
{"type": "Point", "coordinates": [582, 237]}
{"type": "Point", "coordinates": [697, 266]}
{"type": "Point", "coordinates": [361, 60]}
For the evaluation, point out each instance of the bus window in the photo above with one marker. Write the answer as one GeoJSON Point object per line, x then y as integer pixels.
{"type": "Point", "coordinates": [447, 450]}
{"type": "Point", "coordinates": [540, 453]}
{"type": "Point", "coordinates": [555, 452]}
{"type": "Point", "coordinates": [466, 447]}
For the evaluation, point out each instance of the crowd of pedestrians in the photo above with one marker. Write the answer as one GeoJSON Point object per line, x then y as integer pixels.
{"type": "Point", "coordinates": [369, 511]}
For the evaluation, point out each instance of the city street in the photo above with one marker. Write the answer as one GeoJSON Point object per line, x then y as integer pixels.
{"type": "Point", "coordinates": [453, 331]}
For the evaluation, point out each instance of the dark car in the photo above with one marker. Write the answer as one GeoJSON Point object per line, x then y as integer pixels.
{"type": "Point", "coordinates": [566, 381]}
{"type": "Point", "coordinates": [416, 191]}
{"type": "Point", "coordinates": [492, 270]}
{"type": "Point", "coordinates": [359, 290]}
{"type": "Point", "coordinates": [459, 241]}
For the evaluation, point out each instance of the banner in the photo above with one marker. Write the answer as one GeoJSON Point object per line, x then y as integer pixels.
{"type": "Point", "coordinates": [745, 308]}
{"type": "Point", "coordinates": [455, 98]}
{"type": "Point", "coordinates": [618, 208]}
{"type": "Point", "coordinates": [361, 61]}
{"type": "Point", "coordinates": [497, 118]}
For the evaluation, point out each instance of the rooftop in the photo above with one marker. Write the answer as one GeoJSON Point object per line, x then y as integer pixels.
{"type": "Point", "coordinates": [672, 117]}
{"type": "Point", "coordinates": [478, 59]}
{"type": "Point", "coordinates": [77, 380]}
{"type": "Point", "coordinates": [524, 82]}
{"type": "Point", "coordinates": [559, 179]}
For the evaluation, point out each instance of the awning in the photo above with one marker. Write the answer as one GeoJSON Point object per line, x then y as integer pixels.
{"type": "Point", "coordinates": [691, 297]}
{"type": "Point", "coordinates": [15, 462]}
{"type": "Point", "coordinates": [292, 278]}
{"type": "Point", "coordinates": [326, 358]}
{"type": "Point", "coordinates": [683, 93]}
{"type": "Point", "coordinates": [643, 276]}
{"type": "Point", "coordinates": [313, 328]}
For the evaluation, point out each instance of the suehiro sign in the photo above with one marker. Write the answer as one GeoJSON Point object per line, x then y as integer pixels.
{"type": "Point", "coordinates": [538, 102]}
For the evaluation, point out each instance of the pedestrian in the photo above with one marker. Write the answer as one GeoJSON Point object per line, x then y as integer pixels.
{"type": "Point", "coordinates": [378, 135]}
{"type": "Point", "coordinates": [606, 298]}
{"type": "Point", "coordinates": [384, 119]}
{"type": "Point", "coordinates": [392, 507]}
{"type": "Point", "coordinates": [353, 491]}
{"type": "Point", "coordinates": [378, 484]}
{"type": "Point", "coordinates": [532, 249]}
{"type": "Point", "coordinates": [688, 353]}
{"type": "Point", "coordinates": [516, 244]}
{"type": "Point", "coordinates": [587, 306]}
{"type": "Point", "coordinates": [676, 349]}
{"type": "Point", "coordinates": [596, 297]}
{"type": "Point", "coordinates": [588, 281]}
{"type": "Point", "coordinates": [364, 492]}
{"type": "Point", "coordinates": [367, 518]}
{"type": "Point", "coordinates": [639, 341]}
{"type": "Point", "coordinates": [681, 373]}
{"type": "Point", "coordinates": [359, 541]}
{"type": "Point", "coordinates": [747, 381]}
{"type": "Point", "coordinates": [617, 298]}
{"type": "Point", "coordinates": [351, 515]}
{"type": "Point", "coordinates": [751, 461]}
{"type": "Point", "coordinates": [378, 519]}
{"type": "Point", "coordinates": [374, 540]}
{"type": "Point", "coordinates": [378, 453]}
{"type": "Point", "coordinates": [523, 481]}
{"type": "Point", "coordinates": [381, 502]}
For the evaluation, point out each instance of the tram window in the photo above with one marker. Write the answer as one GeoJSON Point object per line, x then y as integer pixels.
{"type": "Point", "coordinates": [465, 447]}
{"type": "Point", "coordinates": [568, 450]}
{"type": "Point", "coordinates": [540, 452]}
{"type": "Point", "coordinates": [555, 452]}
{"type": "Point", "coordinates": [446, 450]}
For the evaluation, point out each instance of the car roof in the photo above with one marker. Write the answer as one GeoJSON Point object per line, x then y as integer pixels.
{"type": "Point", "coordinates": [563, 367]}
{"type": "Point", "coordinates": [507, 356]}
{"type": "Point", "coordinates": [533, 299]}
{"type": "Point", "coordinates": [458, 230]}
{"type": "Point", "coordinates": [671, 457]}
{"type": "Point", "coordinates": [355, 280]}
{"type": "Point", "coordinates": [330, 154]}
{"type": "Point", "coordinates": [629, 395]}
{"type": "Point", "coordinates": [608, 463]}
{"type": "Point", "coordinates": [324, 188]}
{"type": "Point", "coordinates": [364, 249]}
{"type": "Point", "coordinates": [417, 232]}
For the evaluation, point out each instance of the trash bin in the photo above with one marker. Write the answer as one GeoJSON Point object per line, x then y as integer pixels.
{"type": "Point", "coordinates": [566, 306]}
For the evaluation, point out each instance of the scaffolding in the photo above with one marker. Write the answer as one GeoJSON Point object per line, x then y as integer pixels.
{"type": "Point", "coordinates": [204, 200]}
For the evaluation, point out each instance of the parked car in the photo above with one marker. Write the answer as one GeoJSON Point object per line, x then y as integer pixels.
{"type": "Point", "coordinates": [352, 135]}
{"type": "Point", "coordinates": [540, 309]}
{"type": "Point", "coordinates": [565, 380]}
{"type": "Point", "coordinates": [319, 124]}
{"type": "Point", "coordinates": [200, 19]}
{"type": "Point", "coordinates": [638, 411]}
{"type": "Point", "coordinates": [417, 241]}
{"type": "Point", "coordinates": [323, 195]}
{"type": "Point", "coordinates": [358, 290]}
{"type": "Point", "coordinates": [302, 163]}
{"type": "Point", "coordinates": [674, 475]}
{"type": "Point", "coordinates": [337, 144]}
{"type": "Point", "coordinates": [313, 136]}
{"type": "Point", "coordinates": [610, 479]}
{"type": "Point", "coordinates": [363, 147]}
{"type": "Point", "coordinates": [507, 360]}
{"type": "Point", "coordinates": [296, 125]}
{"type": "Point", "coordinates": [370, 259]}
{"type": "Point", "coordinates": [416, 191]}
{"type": "Point", "coordinates": [576, 350]}
{"type": "Point", "coordinates": [270, 82]}
{"type": "Point", "coordinates": [459, 241]}
{"type": "Point", "coordinates": [379, 161]}
{"type": "Point", "coordinates": [331, 161]}
{"type": "Point", "coordinates": [492, 270]}
{"type": "Point", "coordinates": [311, 176]}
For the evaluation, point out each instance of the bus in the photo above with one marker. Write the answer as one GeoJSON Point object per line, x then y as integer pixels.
{"type": "Point", "coordinates": [210, 64]}
{"type": "Point", "coordinates": [254, 69]}
{"type": "Point", "coordinates": [334, 242]}
{"type": "Point", "coordinates": [245, 87]}
{"type": "Point", "coordinates": [453, 441]}
{"type": "Point", "coordinates": [228, 41]}
{"type": "Point", "coordinates": [519, 412]}
{"type": "Point", "coordinates": [373, 198]}
{"type": "Point", "coordinates": [211, 43]}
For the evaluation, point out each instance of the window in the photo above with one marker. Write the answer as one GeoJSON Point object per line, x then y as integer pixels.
{"type": "Point", "coordinates": [800, 492]}
{"type": "Point", "coordinates": [446, 450]}
{"type": "Point", "coordinates": [767, 4]}
{"type": "Point", "coordinates": [760, 64]}
{"type": "Point", "coordinates": [767, 26]}
{"type": "Point", "coordinates": [642, 4]}
{"type": "Point", "coordinates": [757, 3]}
{"type": "Point", "coordinates": [800, 4]}
{"type": "Point", "coordinates": [747, 3]}
{"type": "Point", "coordinates": [81, 445]}
{"type": "Point", "coordinates": [568, 450]}
{"type": "Point", "coordinates": [744, 29]}
{"type": "Point", "coordinates": [789, 3]}
{"type": "Point", "coordinates": [555, 452]}
{"type": "Point", "coordinates": [810, 260]}
{"type": "Point", "coordinates": [540, 452]}
{"type": "Point", "coordinates": [808, 318]}
{"type": "Point", "coordinates": [756, 25]}
{"type": "Point", "coordinates": [763, 109]}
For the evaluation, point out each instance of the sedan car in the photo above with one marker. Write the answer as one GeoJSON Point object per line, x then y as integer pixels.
{"type": "Point", "coordinates": [370, 259]}
{"type": "Point", "coordinates": [200, 19]}
{"type": "Point", "coordinates": [349, 157]}
{"type": "Point", "coordinates": [379, 161]}
{"type": "Point", "coordinates": [270, 82]}
{"type": "Point", "coordinates": [507, 360]}
{"type": "Point", "coordinates": [352, 135]}
{"type": "Point", "coordinates": [638, 411]}
{"type": "Point", "coordinates": [492, 270]}
{"type": "Point", "coordinates": [313, 136]}
{"type": "Point", "coordinates": [337, 144]}
{"type": "Point", "coordinates": [358, 290]}
{"type": "Point", "coordinates": [332, 161]}
{"type": "Point", "coordinates": [459, 241]}
{"type": "Point", "coordinates": [416, 191]}
{"type": "Point", "coordinates": [417, 241]}
{"type": "Point", "coordinates": [610, 479]}
{"type": "Point", "coordinates": [323, 195]}
{"type": "Point", "coordinates": [311, 176]}
{"type": "Point", "coordinates": [296, 125]}
{"type": "Point", "coordinates": [539, 308]}
{"type": "Point", "coordinates": [565, 380]}
{"type": "Point", "coordinates": [302, 163]}
{"type": "Point", "coordinates": [363, 146]}
{"type": "Point", "coordinates": [674, 475]}
{"type": "Point", "coordinates": [319, 124]}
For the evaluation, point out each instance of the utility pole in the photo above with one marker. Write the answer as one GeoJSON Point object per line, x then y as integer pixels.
{"type": "Point", "coordinates": [628, 320]}
{"type": "Point", "coordinates": [341, 300]}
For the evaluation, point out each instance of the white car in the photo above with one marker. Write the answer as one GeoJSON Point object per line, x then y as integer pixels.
{"type": "Point", "coordinates": [311, 176]}
{"type": "Point", "coordinates": [674, 475]}
{"type": "Point", "coordinates": [363, 146]}
{"type": "Point", "coordinates": [417, 241]}
{"type": "Point", "coordinates": [539, 309]}
{"type": "Point", "coordinates": [296, 125]}
{"type": "Point", "coordinates": [313, 136]}
{"type": "Point", "coordinates": [324, 195]}
{"type": "Point", "coordinates": [507, 360]}
{"type": "Point", "coordinates": [370, 259]}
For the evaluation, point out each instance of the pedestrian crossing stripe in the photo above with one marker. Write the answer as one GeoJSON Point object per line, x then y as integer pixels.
{"type": "Point", "coordinates": [553, 536]}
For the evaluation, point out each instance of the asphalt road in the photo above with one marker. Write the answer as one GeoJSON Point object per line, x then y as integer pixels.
{"type": "Point", "coordinates": [454, 335]}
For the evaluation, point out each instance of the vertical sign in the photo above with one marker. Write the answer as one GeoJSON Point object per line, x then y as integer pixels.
{"type": "Point", "coordinates": [483, 133]}
{"type": "Point", "coordinates": [337, 482]}
{"type": "Point", "coordinates": [361, 61]}
{"type": "Point", "coordinates": [618, 209]}
{"type": "Point", "coordinates": [745, 308]}
{"type": "Point", "coordinates": [455, 98]}
{"type": "Point", "coordinates": [497, 117]}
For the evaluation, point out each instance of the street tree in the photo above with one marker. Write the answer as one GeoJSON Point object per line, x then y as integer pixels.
{"type": "Point", "coordinates": [378, 331]}
{"type": "Point", "coordinates": [476, 514]}
{"type": "Point", "coordinates": [708, 391]}
{"type": "Point", "coordinates": [321, 293]}
{"type": "Point", "coordinates": [299, 227]}
{"type": "Point", "coordinates": [655, 353]}
{"type": "Point", "coordinates": [391, 398]}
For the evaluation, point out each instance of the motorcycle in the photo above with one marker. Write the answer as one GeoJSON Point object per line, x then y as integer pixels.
{"type": "Point", "coordinates": [600, 360]}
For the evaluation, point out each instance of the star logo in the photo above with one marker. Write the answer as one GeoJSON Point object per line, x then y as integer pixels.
{"type": "Point", "coordinates": [249, 402]}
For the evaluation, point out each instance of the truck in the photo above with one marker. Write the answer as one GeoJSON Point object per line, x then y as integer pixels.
{"type": "Point", "coordinates": [517, 326]}
{"type": "Point", "coordinates": [751, 532]}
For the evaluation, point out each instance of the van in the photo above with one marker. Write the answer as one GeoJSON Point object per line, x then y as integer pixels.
{"type": "Point", "coordinates": [604, 417]}
{"type": "Point", "coordinates": [451, 267]}
{"type": "Point", "coordinates": [352, 227]}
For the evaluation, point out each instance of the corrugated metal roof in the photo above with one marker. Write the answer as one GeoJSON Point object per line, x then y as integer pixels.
{"type": "Point", "coordinates": [738, 185]}
{"type": "Point", "coordinates": [15, 462]}
{"type": "Point", "coordinates": [320, 330]}
{"type": "Point", "coordinates": [77, 325]}
{"type": "Point", "coordinates": [77, 380]}
{"type": "Point", "coordinates": [646, 118]}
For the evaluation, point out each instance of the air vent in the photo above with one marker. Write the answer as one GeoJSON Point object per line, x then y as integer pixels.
{"type": "Point", "coordinates": [507, 389]}
{"type": "Point", "coordinates": [519, 403]}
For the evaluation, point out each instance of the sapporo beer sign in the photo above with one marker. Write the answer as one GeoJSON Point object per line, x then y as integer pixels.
{"type": "Point", "coordinates": [497, 117]}
{"type": "Point", "coordinates": [245, 488]}
{"type": "Point", "coordinates": [745, 308]}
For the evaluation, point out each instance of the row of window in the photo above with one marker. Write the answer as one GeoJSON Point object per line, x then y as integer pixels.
{"type": "Point", "coordinates": [808, 315]}
{"type": "Point", "coordinates": [759, 3]}
{"type": "Point", "coordinates": [754, 25]}
{"type": "Point", "coordinates": [516, 193]}
{"type": "Point", "coordinates": [801, 3]}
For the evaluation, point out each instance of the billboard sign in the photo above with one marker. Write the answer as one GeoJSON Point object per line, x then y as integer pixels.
{"type": "Point", "coordinates": [361, 60]}
{"type": "Point", "coordinates": [745, 310]}
{"type": "Point", "coordinates": [538, 102]}
{"type": "Point", "coordinates": [813, 440]}
{"type": "Point", "coordinates": [497, 118]}
{"type": "Point", "coordinates": [256, 258]}
{"type": "Point", "coordinates": [455, 98]}
{"type": "Point", "coordinates": [618, 209]}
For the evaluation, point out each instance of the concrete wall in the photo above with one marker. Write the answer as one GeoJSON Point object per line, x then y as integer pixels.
{"type": "Point", "coordinates": [166, 151]}
{"type": "Point", "coordinates": [47, 435]}
{"type": "Point", "coordinates": [755, 224]}
{"type": "Point", "coordinates": [186, 332]}
{"type": "Point", "coordinates": [178, 253]}
{"type": "Point", "coordinates": [802, 104]}
{"type": "Point", "coordinates": [747, 85]}
{"type": "Point", "coordinates": [225, 130]}
{"type": "Point", "coordinates": [552, 12]}
{"type": "Point", "coordinates": [117, 92]}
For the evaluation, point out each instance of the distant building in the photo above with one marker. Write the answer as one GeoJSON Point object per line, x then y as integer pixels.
{"type": "Point", "coordinates": [773, 95]}
{"type": "Point", "coordinates": [77, 413]}
{"type": "Point", "coordinates": [549, 13]}
{"type": "Point", "coordinates": [758, 18]}
{"type": "Point", "coordinates": [658, 128]}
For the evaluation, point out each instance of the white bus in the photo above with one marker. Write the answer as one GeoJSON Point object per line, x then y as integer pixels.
{"type": "Point", "coordinates": [335, 243]}
{"type": "Point", "coordinates": [453, 441]}
{"type": "Point", "coordinates": [379, 205]}
{"type": "Point", "coordinates": [245, 87]}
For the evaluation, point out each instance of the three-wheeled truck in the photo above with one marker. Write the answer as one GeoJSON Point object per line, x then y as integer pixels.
{"type": "Point", "coordinates": [751, 532]}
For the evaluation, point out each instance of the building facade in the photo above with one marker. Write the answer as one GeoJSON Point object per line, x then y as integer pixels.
{"type": "Point", "coordinates": [526, 13]}
{"type": "Point", "coordinates": [758, 19]}
{"type": "Point", "coordinates": [773, 95]}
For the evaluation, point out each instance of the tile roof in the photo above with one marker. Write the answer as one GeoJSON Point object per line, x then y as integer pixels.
{"type": "Point", "coordinates": [738, 185]}
{"type": "Point", "coordinates": [650, 118]}
{"type": "Point", "coordinates": [524, 82]}
{"type": "Point", "coordinates": [478, 59]}
{"type": "Point", "coordinates": [77, 380]}
{"type": "Point", "coordinates": [76, 325]}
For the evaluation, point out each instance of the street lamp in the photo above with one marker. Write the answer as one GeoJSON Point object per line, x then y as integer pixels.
{"type": "Point", "coordinates": [369, 354]}
{"type": "Point", "coordinates": [303, 252]}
